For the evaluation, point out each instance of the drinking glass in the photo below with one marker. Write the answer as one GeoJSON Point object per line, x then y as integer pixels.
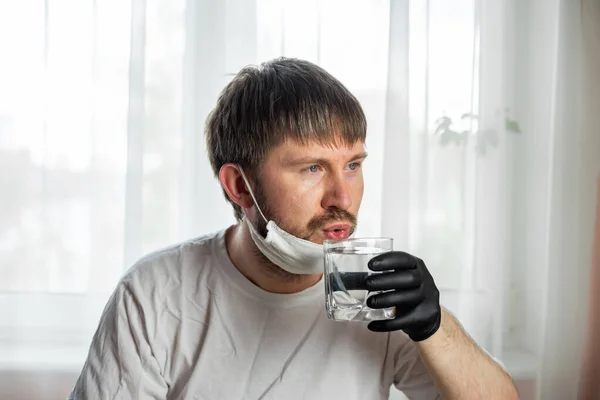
{"type": "Point", "coordinates": [345, 273]}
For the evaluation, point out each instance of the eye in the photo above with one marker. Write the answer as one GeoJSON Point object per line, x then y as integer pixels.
{"type": "Point", "coordinates": [313, 168]}
{"type": "Point", "coordinates": [353, 166]}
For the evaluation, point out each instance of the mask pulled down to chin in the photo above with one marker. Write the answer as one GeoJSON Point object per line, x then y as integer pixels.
{"type": "Point", "coordinates": [290, 253]}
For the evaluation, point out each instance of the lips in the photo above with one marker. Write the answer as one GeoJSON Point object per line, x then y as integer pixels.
{"type": "Point", "coordinates": [337, 231]}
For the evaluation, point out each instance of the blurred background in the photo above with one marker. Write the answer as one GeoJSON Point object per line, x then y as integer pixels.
{"type": "Point", "coordinates": [484, 142]}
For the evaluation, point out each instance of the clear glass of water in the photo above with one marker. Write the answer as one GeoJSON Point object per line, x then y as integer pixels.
{"type": "Point", "coordinates": [345, 273]}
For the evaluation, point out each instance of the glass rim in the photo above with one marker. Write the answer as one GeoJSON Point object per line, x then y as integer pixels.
{"type": "Point", "coordinates": [329, 242]}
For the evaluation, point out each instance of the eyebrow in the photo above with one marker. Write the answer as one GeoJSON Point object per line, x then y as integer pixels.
{"type": "Point", "coordinates": [313, 160]}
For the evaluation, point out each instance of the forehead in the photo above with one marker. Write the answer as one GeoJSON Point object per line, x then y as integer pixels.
{"type": "Point", "coordinates": [292, 149]}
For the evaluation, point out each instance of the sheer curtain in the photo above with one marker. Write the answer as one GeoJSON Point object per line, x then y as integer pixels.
{"type": "Point", "coordinates": [482, 160]}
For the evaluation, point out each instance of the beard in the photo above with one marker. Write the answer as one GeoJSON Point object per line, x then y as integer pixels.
{"type": "Point", "coordinates": [313, 226]}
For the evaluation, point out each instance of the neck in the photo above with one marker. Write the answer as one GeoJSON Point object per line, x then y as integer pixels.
{"type": "Point", "coordinates": [258, 269]}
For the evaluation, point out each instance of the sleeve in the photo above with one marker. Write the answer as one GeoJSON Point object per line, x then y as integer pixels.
{"type": "Point", "coordinates": [411, 376]}
{"type": "Point", "coordinates": [120, 363]}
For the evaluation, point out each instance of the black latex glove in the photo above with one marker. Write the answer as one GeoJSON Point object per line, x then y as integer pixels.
{"type": "Point", "coordinates": [410, 288]}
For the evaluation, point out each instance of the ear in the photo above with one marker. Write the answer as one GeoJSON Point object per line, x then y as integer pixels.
{"type": "Point", "coordinates": [233, 183]}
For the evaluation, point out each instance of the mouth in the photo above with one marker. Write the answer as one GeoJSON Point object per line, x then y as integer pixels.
{"type": "Point", "coordinates": [337, 231]}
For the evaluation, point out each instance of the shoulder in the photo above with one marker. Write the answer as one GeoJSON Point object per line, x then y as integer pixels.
{"type": "Point", "coordinates": [173, 267]}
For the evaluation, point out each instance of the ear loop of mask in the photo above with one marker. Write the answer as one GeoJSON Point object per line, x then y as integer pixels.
{"type": "Point", "coordinates": [251, 194]}
{"type": "Point", "coordinates": [293, 254]}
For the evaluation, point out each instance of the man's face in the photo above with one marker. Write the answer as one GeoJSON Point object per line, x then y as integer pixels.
{"type": "Point", "coordinates": [311, 191]}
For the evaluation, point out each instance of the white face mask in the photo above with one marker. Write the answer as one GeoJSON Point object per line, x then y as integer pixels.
{"type": "Point", "coordinates": [295, 255]}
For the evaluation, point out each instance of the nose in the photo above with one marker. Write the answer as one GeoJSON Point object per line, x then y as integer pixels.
{"type": "Point", "coordinates": [337, 193]}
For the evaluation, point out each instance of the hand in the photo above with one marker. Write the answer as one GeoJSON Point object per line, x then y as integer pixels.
{"type": "Point", "coordinates": [410, 288]}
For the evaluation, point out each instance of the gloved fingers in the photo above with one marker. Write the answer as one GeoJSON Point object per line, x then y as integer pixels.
{"type": "Point", "coordinates": [347, 280]}
{"type": "Point", "coordinates": [396, 298]}
{"type": "Point", "coordinates": [407, 279]}
{"type": "Point", "coordinates": [418, 323]}
{"type": "Point", "coordinates": [393, 260]}
{"type": "Point", "coordinates": [401, 321]}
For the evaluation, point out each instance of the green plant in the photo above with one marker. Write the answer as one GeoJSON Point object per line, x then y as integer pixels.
{"type": "Point", "coordinates": [448, 135]}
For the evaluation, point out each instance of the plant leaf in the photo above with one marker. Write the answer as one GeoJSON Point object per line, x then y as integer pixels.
{"type": "Point", "coordinates": [512, 126]}
{"type": "Point", "coordinates": [469, 115]}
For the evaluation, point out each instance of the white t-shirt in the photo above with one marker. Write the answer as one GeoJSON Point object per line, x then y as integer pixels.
{"type": "Point", "coordinates": [184, 323]}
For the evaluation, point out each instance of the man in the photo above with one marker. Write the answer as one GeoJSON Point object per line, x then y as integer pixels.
{"type": "Point", "coordinates": [239, 314]}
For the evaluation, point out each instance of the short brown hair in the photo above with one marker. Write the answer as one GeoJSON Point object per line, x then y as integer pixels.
{"type": "Point", "coordinates": [280, 99]}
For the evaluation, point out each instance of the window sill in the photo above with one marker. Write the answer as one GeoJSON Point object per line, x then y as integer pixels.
{"type": "Point", "coordinates": [42, 358]}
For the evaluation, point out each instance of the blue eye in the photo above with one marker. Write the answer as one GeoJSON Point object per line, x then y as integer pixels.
{"type": "Point", "coordinates": [313, 168]}
{"type": "Point", "coordinates": [353, 166]}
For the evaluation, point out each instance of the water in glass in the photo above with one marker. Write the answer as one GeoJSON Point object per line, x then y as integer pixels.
{"type": "Point", "coordinates": [346, 295]}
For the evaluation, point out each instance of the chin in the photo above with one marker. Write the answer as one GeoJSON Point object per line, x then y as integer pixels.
{"type": "Point", "coordinates": [315, 240]}
{"type": "Point", "coordinates": [322, 238]}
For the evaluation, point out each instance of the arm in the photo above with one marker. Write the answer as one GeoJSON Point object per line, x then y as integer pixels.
{"type": "Point", "coordinates": [459, 368]}
{"type": "Point", "coordinates": [120, 363]}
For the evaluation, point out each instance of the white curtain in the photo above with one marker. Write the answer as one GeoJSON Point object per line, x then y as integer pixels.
{"type": "Point", "coordinates": [482, 158]}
